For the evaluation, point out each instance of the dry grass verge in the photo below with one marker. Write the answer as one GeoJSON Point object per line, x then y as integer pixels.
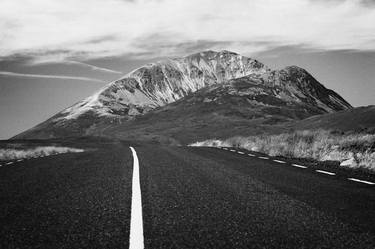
{"type": "Point", "coordinates": [16, 153]}
{"type": "Point", "coordinates": [351, 150]}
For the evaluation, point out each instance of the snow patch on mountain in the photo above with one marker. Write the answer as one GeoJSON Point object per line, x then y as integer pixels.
{"type": "Point", "coordinates": [82, 106]}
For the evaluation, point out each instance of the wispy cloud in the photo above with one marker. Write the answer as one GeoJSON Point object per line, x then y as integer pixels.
{"type": "Point", "coordinates": [47, 76]}
{"type": "Point", "coordinates": [56, 60]}
{"type": "Point", "coordinates": [95, 68]}
{"type": "Point", "coordinates": [96, 28]}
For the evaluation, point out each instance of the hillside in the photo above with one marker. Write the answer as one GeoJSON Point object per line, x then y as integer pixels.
{"type": "Point", "coordinates": [360, 119]}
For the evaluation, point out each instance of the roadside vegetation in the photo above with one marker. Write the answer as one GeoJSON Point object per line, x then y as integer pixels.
{"type": "Point", "coordinates": [355, 150]}
{"type": "Point", "coordinates": [19, 153]}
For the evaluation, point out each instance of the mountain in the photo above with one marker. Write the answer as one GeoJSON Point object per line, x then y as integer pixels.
{"type": "Point", "coordinates": [224, 87]}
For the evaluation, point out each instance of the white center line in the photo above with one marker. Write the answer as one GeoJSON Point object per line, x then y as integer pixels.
{"type": "Point", "coordinates": [325, 172]}
{"type": "Point", "coordinates": [9, 163]}
{"type": "Point", "coordinates": [278, 161]}
{"type": "Point", "coordinates": [240, 152]}
{"type": "Point", "coordinates": [361, 181]}
{"type": "Point", "coordinates": [136, 221]}
{"type": "Point", "coordinates": [299, 166]}
{"type": "Point", "coordinates": [263, 157]}
{"type": "Point", "coordinates": [250, 155]}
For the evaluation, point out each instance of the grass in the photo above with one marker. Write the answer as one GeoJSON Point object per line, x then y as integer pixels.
{"type": "Point", "coordinates": [18, 153]}
{"type": "Point", "coordinates": [321, 145]}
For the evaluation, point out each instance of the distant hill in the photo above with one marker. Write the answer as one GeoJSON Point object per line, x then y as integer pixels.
{"type": "Point", "coordinates": [360, 119]}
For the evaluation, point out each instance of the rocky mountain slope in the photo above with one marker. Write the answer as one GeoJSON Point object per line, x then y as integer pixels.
{"type": "Point", "coordinates": [164, 82]}
{"type": "Point", "coordinates": [226, 83]}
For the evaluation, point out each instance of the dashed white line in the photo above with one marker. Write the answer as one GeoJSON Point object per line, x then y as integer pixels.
{"type": "Point", "coordinates": [294, 165]}
{"type": "Point", "coordinates": [299, 166]}
{"type": "Point", "coordinates": [278, 161]}
{"type": "Point", "coordinates": [361, 181]}
{"type": "Point", "coordinates": [9, 163]}
{"type": "Point", "coordinates": [19, 160]}
{"type": "Point", "coordinates": [136, 240]}
{"type": "Point", "coordinates": [325, 172]}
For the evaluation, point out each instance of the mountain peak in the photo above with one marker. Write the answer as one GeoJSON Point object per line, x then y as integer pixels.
{"type": "Point", "coordinates": [228, 52]}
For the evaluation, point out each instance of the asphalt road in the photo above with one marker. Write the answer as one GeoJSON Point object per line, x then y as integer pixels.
{"type": "Point", "coordinates": [191, 198]}
{"type": "Point", "coordinates": [74, 200]}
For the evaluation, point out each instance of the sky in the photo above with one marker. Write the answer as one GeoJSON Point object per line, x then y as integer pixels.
{"type": "Point", "coordinates": [54, 53]}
